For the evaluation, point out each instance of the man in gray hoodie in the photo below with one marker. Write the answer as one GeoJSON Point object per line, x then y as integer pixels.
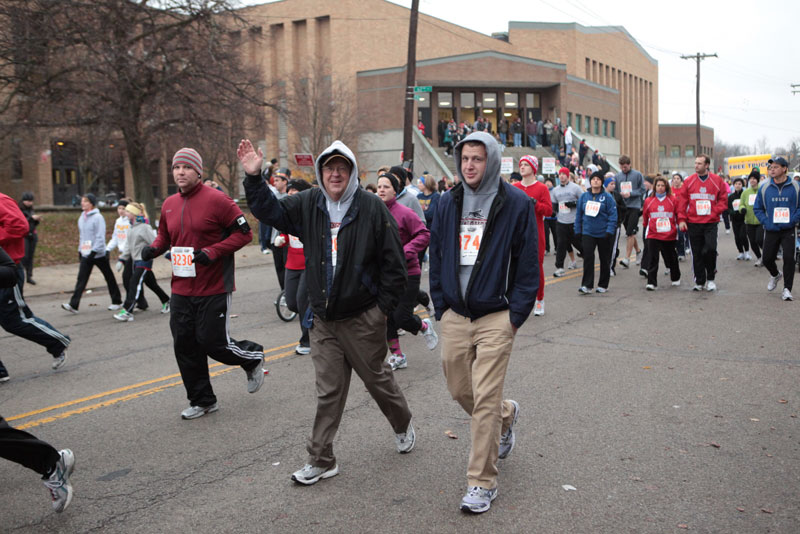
{"type": "Point", "coordinates": [484, 277]}
{"type": "Point", "coordinates": [355, 274]}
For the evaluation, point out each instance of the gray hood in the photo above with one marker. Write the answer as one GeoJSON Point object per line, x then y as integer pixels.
{"type": "Point", "coordinates": [337, 209]}
{"type": "Point", "coordinates": [491, 178]}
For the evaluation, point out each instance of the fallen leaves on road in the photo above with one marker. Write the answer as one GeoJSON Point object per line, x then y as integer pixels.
{"type": "Point", "coordinates": [755, 420]}
{"type": "Point", "coordinates": [715, 445]}
{"type": "Point", "coordinates": [783, 401]}
{"type": "Point", "coordinates": [739, 508]}
{"type": "Point", "coordinates": [683, 526]}
{"type": "Point", "coordinates": [233, 316]}
{"type": "Point", "coordinates": [450, 434]}
{"type": "Point", "coordinates": [767, 511]}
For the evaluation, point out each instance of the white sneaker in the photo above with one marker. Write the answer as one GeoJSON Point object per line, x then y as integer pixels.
{"type": "Point", "coordinates": [787, 295]}
{"type": "Point", "coordinates": [676, 283]}
{"type": "Point", "coordinates": [430, 335]}
{"type": "Point", "coordinates": [311, 475]}
{"type": "Point", "coordinates": [507, 439]}
{"type": "Point", "coordinates": [711, 286]}
{"type": "Point", "coordinates": [69, 308]}
{"type": "Point", "coordinates": [773, 281]}
{"type": "Point", "coordinates": [740, 257]}
{"type": "Point", "coordinates": [666, 272]}
{"type": "Point", "coordinates": [728, 231]}
{"type": "Point", "coordinates": [758, 263]}
{"type": "Point", "coordinates": [302, 349]}
{"type": "Point", "coordinates": [114, 307]}
{"type": "Point", "coordinates": [698, 287]}
{"type": "Point", "coordinates": [559, 273]}
{"type": "Point", "coordinates": [538, 309]}
{"type": "Point", "coordinates": [478, 499]}
{"type": "Point", "coordinates": [625, 262]}
{"type": "Point", "coordinates": [193, 412]}
{"type": "Point", "coordinates": [650, 287]}
{"type": "Point", "coordinates": [747, 256]}
{"type": "Point", "coordinates": [583, 290]}
{"type": "Point", "coordinates": [405, 440]}
{"type": "Point", "coordinates": [573, 264]}
{"type": "Point", "coordinates": [601, 290]}
{"type": "Point", "coordinates": [639, 258]}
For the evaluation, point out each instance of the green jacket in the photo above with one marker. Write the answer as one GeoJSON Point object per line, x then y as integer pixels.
{"type": "Point", "coordinates": [747, 207]}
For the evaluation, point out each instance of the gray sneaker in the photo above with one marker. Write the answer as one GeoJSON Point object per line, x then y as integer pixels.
{"type": "Point", "coordinates": [773, 281]}
{"type": "Point", "coordinates": [60, 360]}
{"type": "Point", "coordinates": [507, 439]}
{"type": "Point", "coordinates": [193, 412]}
{"type": "Point", "coordinates": [559, 273]}
{"type": "Point", "coordinates": [255, 377]}
{"type": "Point", "coordinates": [58, 482]}
{"type": "Point", "coordinates": [478, 499]}
{"type": "Point", "coordinates": [405, 441]}
{"type": "Point", "coordinates": [430, 335]}
{"type": "Point", "coordinates": [69, 308]}
{"type": "Point", "coordinates": [311, 475]}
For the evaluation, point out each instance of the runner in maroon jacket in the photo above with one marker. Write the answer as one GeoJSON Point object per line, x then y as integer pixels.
{"type": "Point", "coordinates": [660, 219]}
{"type": "Point", "coordinates": [701, 201]}
{"type": "Point", "coordinates": [202, 228]}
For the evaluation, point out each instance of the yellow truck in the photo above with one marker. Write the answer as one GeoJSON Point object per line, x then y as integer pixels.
{"type": "Point", "coordinates": [742, 165]}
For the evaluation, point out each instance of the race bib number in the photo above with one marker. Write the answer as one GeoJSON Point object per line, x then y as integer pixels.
{"type": "Point", "coordinates": [471, 236]}
{"type": "Point", "coordinates": [122, 235]}
{"type": "Point", "coordinates": [183, 262]}
{"type": "Point", "coordinates": [334, 243]}
{"type": "Point", "coordinates": [663, 225]}
{"type": "Point", "coordinates": [703, 207]}
{"type": "Point", "coordinates": [780, 215]}
{"type": "Point", "coordinates": [736, 204]}
{"type": "Point", "coordinates": [294, 242]}
{"type": "Point", "coordinates": [592, 208]}
{"type": "Point", "coordinates": [751, 200]}
{"type": "Point", "coordinates": [625, 187]}
{"type": "Point", "coordinates": [86, 248]}
{"type": "Point", "coordinates": [562, 207]}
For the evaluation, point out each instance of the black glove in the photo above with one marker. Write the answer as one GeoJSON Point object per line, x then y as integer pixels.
{"type": "Point", "coordinates": [201, 257]}
{"type": "Point", "coordinates": [92, 254]}
{"type": "Point", "coordinates": [148, 253]}
{"type": "Point", "coordinates": [572, 204]}
{"type": "Point", "coordinates": [555, 208]}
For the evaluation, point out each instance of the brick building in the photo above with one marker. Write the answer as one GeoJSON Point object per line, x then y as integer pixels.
{"type": "Point", "coordinates": [677, 147]}
{"type": "Point", "coordinates": [599, 80]}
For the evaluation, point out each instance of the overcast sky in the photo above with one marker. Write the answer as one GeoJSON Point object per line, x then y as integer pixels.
{"type": "Point", "coordinates": [745, 94]}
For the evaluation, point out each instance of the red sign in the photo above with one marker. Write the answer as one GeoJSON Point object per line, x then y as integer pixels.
{"type": "Point", "coordinates": [304, 160]}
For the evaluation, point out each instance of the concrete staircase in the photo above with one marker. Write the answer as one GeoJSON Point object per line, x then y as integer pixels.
{"type": "Point", "coordinates": [514, 152]}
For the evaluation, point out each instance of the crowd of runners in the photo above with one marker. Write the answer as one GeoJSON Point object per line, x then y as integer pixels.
{"type": "Point", "coordinates": [350, 261]}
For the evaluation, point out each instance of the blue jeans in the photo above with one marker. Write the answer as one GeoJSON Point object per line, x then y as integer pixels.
{"type": "Point", "coordinates": [532, 140]}
{"type": "Point", "coordinates": [264, 235]}
{"type": "Point", "coordinates": [503, 138]}
{"type": "Point", "coordinates": [517, 139]}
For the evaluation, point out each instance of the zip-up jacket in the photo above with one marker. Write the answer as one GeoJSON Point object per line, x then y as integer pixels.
{"type": "Point", "coordinates": [370, 266]}
{"type": "Point", "coordinates": [506, 270]}
{"type": "Point", "coordinates": [748, 201]}
{"type": "Point", "coordinates": [736, 214]}
{"type": "Point", "coordinates": [770, 196]}
{"type": "Point", "coordinates": [655, 209]}
{"type": "Point", "coordinates": [203, 218]}
{"type": "Point", "coordinates": [414, 235]}
{"type": "Point", "coordinates": [92, 227]}
{"type": "Point", "coordinates": [605, 222]}
{"type": "Point", "coordinates": [119, 236]}
{"type": "Point", "coordinates": [139, 235]}
{"type": "Point", "coordinates": [695, 190]}
{"type": "Point", "coordinates": [13, 228]}
{"type": "Point", "coordinates": [638, 190]}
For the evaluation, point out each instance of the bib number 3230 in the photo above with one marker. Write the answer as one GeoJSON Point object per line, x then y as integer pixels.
{"type": "Point", "coordinates": [183, 262]}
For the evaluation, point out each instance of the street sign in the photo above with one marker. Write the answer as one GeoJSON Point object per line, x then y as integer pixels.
{"type": "Point", "coordinates": [506, 165]}
{"type": "Point", "coordinates": [423, 89]}
{"type": "Point", "coordinates": [548, 165]}
{"type": "Point", "coordinates": [304, 160]}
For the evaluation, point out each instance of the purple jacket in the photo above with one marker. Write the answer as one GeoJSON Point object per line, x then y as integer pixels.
{"type": "Point", "coordinates": [413, 235]}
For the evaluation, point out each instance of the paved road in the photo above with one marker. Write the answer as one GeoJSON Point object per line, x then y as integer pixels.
{"type": "Point", "coordinates": [665, 410]}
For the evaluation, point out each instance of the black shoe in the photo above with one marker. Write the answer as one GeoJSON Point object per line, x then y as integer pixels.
{"type": "Point", "coordinates": [3, 374]}
{"type": "Point", "coordinates": [31, 281]}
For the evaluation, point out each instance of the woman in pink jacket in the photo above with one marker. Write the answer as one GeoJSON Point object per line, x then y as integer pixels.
{"type": "Point", "coordinates": [415, 237]}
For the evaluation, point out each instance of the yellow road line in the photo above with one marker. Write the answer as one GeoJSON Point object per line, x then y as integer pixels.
{"type": "Point", "coordinates": [162, 387]}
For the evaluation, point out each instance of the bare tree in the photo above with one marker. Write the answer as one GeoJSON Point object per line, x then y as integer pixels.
{"type": "Point", "coordinates": [150, 70]}
{"type": "Point", "coordinates": [320, 109]}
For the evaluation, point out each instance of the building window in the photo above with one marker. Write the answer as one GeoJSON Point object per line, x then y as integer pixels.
{"type": "Point", "coordinates": [423, 100]}
{"type": "Point", "coordinates": [596, 126]}
{"type": "Point", "coordinates": [614, 129]}
{"type": "Point", "coordinates": [588, 125]}
{"type": "Point", "coordinates": [605, 128]}
{"type": "Point", "coordinates": [689, 152]}
{"type": "Point", "coordinates": [468, 100]}
{"type": "Point", "coordinates": [569, 118]}
{"type": "Point", "coordinates": [531, 100]}
{"type": "Point", "coordinates": [578, 122]}
{"type": "Point", "coordinates": [662, 150]}
{"type": "Point", "coordinates": [675, 151]}
{"type": "Point", "coordinates": [445, 99]}
{"type": "Point", "coordinates": [511, 100]}
{"type": "Point", "coordinates": [489, 100]}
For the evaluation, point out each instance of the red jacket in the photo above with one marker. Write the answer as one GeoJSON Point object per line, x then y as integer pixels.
{"type": "Point", "coordinates": [202, 218]}
{"type": "Point", "coordinates": [655, 210]}
{"type": "Point", "coordinates": [696, 191]}
{"type": "Point", "coordinates": [543, 208]}
{"type": "Point", "coordinates": [13, 228]}
{"type": "Point", "coordinates": [295, 258]}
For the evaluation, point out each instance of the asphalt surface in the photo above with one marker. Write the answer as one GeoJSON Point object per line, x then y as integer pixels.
{"type": "Point", "coordinates": [665, 411]}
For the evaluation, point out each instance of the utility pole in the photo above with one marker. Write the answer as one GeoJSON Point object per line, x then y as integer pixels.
{"type": "Point", "coordinates": [411, 76]}
{"type": "Point", "coordinates": [795, 89]}
{"type": "Point", "coordinates": [698, 57]}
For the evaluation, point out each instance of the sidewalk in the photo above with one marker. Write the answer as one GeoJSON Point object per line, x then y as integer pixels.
{"type": "Point", "coordinates": [61, 278]}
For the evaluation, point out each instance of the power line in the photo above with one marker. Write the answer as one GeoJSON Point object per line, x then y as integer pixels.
{"type": "Point", "coordinates": [698, 57]}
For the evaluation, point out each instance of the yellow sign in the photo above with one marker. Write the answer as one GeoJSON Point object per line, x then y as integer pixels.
{"type": "Point", "coordinates": [742, 165]}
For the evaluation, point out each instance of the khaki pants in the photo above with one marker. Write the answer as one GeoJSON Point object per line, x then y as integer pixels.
{"type": "Point", "coordinates": [475, 358]}
{"type": "Point", "coordinates": [358, 344]}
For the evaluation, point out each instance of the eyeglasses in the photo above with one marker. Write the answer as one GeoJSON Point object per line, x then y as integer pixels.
{"type": "Point", "coordinates": [341, 169]}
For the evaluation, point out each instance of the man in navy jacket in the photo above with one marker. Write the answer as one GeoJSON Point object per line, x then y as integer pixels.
{"type": "Point", "coordinates": [484, 275]}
